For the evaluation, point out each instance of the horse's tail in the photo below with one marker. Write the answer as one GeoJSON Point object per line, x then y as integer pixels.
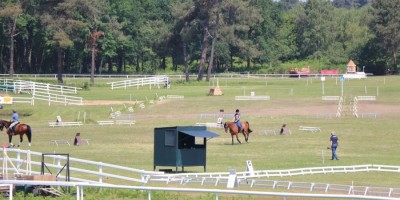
{"type": "Point", "coordinates": [29, 133]}
{"type": "Point", "coordinates": [248, 127]}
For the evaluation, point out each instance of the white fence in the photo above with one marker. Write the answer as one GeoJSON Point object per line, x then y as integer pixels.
{"type": "Point", "coordinates": [140, 82]}
{"type": "Point", "coordinates": [57, 98]}
{"type": "Point", "coordinates": [81, 185]}
{"type": "Point", "coordinates": [41, 91]}
{"type": "Point", "coordinates": [21, 85]}
{"type": "Point", "coordinates": [244, 179]}
{"type": "Point", "coordinates": [83, 170]}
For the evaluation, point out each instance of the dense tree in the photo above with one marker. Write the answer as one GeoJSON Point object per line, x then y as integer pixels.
{"type": "Point", "coordinates": [192, 36]}
{"type": "Point", "coordinates": [10, 13]}
{"type": "Point", "coordinates": [385, 23]}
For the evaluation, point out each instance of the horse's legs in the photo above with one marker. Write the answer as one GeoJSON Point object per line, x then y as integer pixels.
{"type": "Point", "coordinates": [246, 136]}
{"type": "Point", "coordinates": [232, 139]}
{"type": "Point", "coordinates": [237, 138]}
{"type": "Point", "coordinates": [9, 139]}
{"type": "Point", "coordinates": [20, 139]}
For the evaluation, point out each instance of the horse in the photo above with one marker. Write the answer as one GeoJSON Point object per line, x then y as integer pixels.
{"type": "Point", "coordinates": [234, 130]}
{"type": "Point", "coordinates": [19, 129]}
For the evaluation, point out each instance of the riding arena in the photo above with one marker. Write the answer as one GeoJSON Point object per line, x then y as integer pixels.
{"type": "Point", "coordinates": [106, 135]}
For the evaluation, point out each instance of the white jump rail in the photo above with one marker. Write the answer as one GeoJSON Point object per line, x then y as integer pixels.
{"type": "Point", "coordinates": [273, 132]}
{"type": "Point", "coordinates": [127, 122]}
{"type": "Point", "coordinates": [366, 98]}
{"type": "Point", "coordinates": [23, 100]}
{"type": "Point", "coordinates": [57, 142]}
{"type": "Point", "coordinates": [210, 124]}
{"type": "Point", "coordinates": [331, 98]}
{"type": "Point", "coordinates": [252, 97]}
{"type": "Point", "coordinates": [105, 123]}
{"type": "Point", "coordinates": [175, 97]}
{"type": "Point", "coordinates": [68, 142]}
{"type": "Point", "coordinates": [62, 124]}
{"type": "Point", "coordinates": [309, 128]}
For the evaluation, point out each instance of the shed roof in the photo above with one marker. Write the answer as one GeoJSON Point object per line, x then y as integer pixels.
{"type": "Point", "coordinates": [351, 64]}
{"type": "Point", "coordinates": [199, 133]}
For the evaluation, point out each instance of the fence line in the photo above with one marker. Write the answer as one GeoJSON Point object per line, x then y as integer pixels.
{"type": "Point", "coordinates": [90, 175]}
{"type": "Point", "coordinates": [243, 178]}
{"type": "Point", "coordinates": [57, 98]}
{"type": "Point", "coordinates": [140, 82]}
{"type": "Point", "coordinates": [81, 185]}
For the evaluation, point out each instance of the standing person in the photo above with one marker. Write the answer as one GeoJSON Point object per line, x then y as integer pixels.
{"type": "Point", "coordinates": [334, 144]}
{"type": "Point", "coordinates": [14, 120]}
{"type": "Point", "coordinates": [283, 129]}
{"type": "Point", "coordinates": [237, 121]}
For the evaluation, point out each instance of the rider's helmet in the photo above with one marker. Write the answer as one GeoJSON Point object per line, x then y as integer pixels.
{"type": "Point", "coordinates": [14, 111]}
{"type": "Point", "coordinates": [237, 110]}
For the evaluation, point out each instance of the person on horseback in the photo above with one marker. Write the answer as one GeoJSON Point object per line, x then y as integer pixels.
{"type": "Point", "coordinates": [237, 121]}
{"type": "Point", "coordinates": [14, 120]}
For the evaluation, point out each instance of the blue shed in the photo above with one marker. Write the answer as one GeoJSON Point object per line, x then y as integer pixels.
{"type": "Point", "coordinates": [181, 146]}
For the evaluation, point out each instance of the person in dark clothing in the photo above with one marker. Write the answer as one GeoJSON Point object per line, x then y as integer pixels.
{"type": "Point", "coordinates": [283, 129]}
{"type": "Point", "coordinates": [334, 144]}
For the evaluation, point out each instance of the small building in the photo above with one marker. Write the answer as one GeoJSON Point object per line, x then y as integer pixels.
{"type": "Point", "coordinates": [351, 67]}
{"type": "Point", "coordinates": [352, 71]}
{"type": "Point", "coordinates": [181, 146]}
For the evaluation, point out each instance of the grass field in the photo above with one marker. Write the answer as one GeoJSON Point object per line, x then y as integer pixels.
{"type": "Point", "coordinates": [294, 102]}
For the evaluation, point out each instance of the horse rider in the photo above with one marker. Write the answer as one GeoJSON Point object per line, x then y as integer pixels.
{"type": "Point", "coordinates": [14, 121]}
{"type": "Point", "coordinates": [237, 121]}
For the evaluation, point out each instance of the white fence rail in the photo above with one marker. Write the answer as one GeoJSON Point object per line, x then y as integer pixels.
{"type": "Point", "coordinates": [57, 98]}
{"type": "Point", "coordinates": [23, 100]}
{"type": "Point", "coordinates": [366, 98]}
{"type": "Point", "coordinates": [81, 185]}
{"type": "Point", "coordinates": [80, 168]}
{"type": "Point", "coordinates": [322, 190]}
{"type": "Point", "coordinates": [140, 82]}
{"type": "Point", "coordinates": [252, 98]}
{"type": "Point", "coordinates": [21, 85]}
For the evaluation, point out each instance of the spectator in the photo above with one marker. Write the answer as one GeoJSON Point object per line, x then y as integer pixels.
{"type": "Point", "coordinates": [334, 144]}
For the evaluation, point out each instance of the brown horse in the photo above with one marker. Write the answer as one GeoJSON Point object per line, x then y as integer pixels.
{"type": "Point", "coordinates": [233, 129]}
{"type": "Point", "coordinates": [19, 129]}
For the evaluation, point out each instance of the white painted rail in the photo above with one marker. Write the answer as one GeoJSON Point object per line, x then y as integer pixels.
{"type": "Point", "coordinates": [140, 82]}
{"type": "Point", "coordinates": [175, 97]}
{"type": "Point", "coordinates": [62, 124]}
{"type": "Point", "coordinates": [245, 179]}
{"type": "Point", "coordinates": [105, 123]}
{"type": "Point", "coordinates": [210, 124]}
{"type": "Point", "coordinates": [127, 122]}
{"type": "Point", "coordinates": [252, 98]}
{"type": "Point", "coordinates": [331, 98]}
{"type": "Point", "coordinates": [310, 128]}
{"type": "Point", "coordinates": [366, 98]}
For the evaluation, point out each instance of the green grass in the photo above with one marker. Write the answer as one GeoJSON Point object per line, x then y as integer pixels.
{"type": "Point", "coordinates": [362, 141]}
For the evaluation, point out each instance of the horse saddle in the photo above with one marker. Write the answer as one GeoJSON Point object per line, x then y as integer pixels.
{"type": "Point", "coordinates": [15, 126]}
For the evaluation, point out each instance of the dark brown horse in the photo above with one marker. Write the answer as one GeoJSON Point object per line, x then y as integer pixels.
{"type": "Point", "coordinates": [19, 129]}
{"type": "Point", "coordinates": [234, 130]}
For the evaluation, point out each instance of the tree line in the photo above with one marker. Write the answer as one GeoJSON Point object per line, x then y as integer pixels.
{"type": "Point", "coordinates": [195, 36]}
